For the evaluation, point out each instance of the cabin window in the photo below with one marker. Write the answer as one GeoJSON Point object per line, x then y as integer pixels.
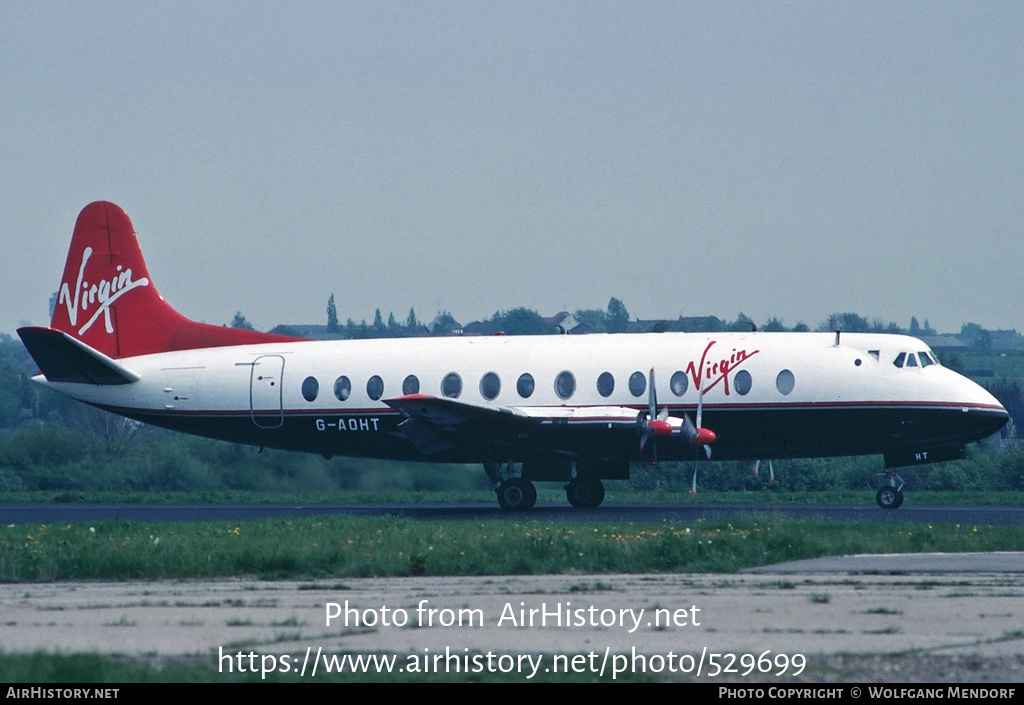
{"type": "Point", "coordinates": [911, 360]}
{"type": "Point", "coordinates": [900, 359]}
{"type": "Point", "coordinates": [342, 388]}
{"type": "Point", "coordinates": [605, 384]}
{"type": "Point", "coordinates": [742, 382]}
{"type": "Point", "coordinates": [310, 388]}
{"type": "Point", "coordinates": [565, 384]}
{"type": "Point", "coordinates": [490, 385]}
{"type": "Point", "coordinates": [637, 384]}
{"type": "Point", "coordinates": [451, 385]}
{"type": "Point", "coordinates": [926, 359]}
{"type": "Point", "coordinates": [411, 385]}
{"type": "Point", "coordinates": [785, 382]}
{"type": "Point", "coordinates": [525, 385]}
{"type": "Point", "coordinates": [679, 383]}
{"type": "Point", "coordinates": [375, 387]}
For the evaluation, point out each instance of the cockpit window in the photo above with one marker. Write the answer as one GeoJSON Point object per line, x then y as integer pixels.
{"type": "Point", "coordinates": [909, 359]}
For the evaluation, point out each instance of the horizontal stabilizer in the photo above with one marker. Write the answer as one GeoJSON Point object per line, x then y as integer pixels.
{"type": "Point", "coordinates": [61, 358]}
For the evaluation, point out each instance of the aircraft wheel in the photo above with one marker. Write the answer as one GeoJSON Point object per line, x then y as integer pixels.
{"type": "Point", "coordinates": [889, 498]}
{"type": "Point", "coordinates": [516, 495]}
{"type": "Point", "coordinates": [585, 493]}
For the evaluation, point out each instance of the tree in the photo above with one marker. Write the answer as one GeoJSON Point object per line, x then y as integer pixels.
{"type": "Point", "coordinates": [618, 316]}
{"type": "Point", "coordinates": [595, 318]}
{"type": "Point", "coordinates": [742, 323]}
{"type": "Point", "coordinates": [774, 325]}
{"type": "Point", "coordinates": [378, 322]}
{"type": "Point", "coordinates": [411, 321]}
{"type": "Point", "coordinates": [239, 322]}
{"type": "Point", "coordinates": [444, 324]}
{"type": "Point", "coordinates": [521, 321]}
{"type": "Point", "coordinates": [332, 315]}
{"type": "Point", "coordinates": [357, 330]}
{"type": "Point", "coordinates": [287, 330]}
{"type": "Point", "coordinates": [976, 337]}
{"type": "Point", "coordinates": [846, 322]}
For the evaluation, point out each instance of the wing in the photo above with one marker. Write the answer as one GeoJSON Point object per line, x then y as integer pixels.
{"type": "Point", "coordinates": [435, 425]}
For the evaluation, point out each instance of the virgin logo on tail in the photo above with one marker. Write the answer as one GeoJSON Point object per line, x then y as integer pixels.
{"type": "Point", "coordinates": [104, 294]}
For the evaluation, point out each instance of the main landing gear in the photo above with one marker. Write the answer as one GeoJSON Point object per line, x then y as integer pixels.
{"type": "Point", "coordinates": [585, 493]}
{"type": "Point", "coordinates": [890, 496]}
{"type": "Point", "coordinates": [514, 493]}
{"type": "Point", "coordinates": [517, 494]}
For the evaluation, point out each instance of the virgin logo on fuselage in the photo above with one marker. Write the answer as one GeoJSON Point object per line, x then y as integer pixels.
{"type": "Point", "coordinates": [711, 372]}
{"type": "Point", "coordinates": [104, 294]}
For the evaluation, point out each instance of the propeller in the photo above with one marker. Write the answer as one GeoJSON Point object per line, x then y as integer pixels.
{"type": "Point", "coordinates": [699, 436]}
{"type": "Point", "coordinates": [654, 423]}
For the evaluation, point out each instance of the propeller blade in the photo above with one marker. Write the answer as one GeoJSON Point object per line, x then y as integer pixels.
{"type": "Point", "coordinates": [771, 470]}
{"type": "Point", "coordinates": [688, 428]}
{"type": "Point", "coordinates": [652, 396]}
{"type": "Point", "coordinates": [700, 404]}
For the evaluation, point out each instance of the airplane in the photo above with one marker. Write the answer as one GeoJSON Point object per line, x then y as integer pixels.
{"type": "Point", "coordinates": [576, 410]}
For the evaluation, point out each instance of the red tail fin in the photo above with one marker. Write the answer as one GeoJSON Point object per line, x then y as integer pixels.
{"type": "Point", "coordinates": [108, 301]}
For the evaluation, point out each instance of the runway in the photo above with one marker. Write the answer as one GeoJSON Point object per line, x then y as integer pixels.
{"type": "Point", "coordinates": [24, 513]}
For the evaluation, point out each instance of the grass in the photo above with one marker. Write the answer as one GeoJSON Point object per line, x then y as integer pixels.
{"type": "Point", "coordinates": [342, 546]}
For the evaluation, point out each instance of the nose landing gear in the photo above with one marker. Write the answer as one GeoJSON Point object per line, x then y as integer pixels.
{"type": "Point", "coordinates": [890, 496]}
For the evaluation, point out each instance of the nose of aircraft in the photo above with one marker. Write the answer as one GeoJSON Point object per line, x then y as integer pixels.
{"type": "Point", "coordinates": [983, 414]}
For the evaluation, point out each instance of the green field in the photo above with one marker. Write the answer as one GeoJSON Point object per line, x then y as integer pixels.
{"type": "Point", "coordinates": [340, 547]}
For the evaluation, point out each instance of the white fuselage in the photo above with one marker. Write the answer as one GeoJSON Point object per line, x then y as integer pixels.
{"type": "Point", "coordinates": [764, 394]}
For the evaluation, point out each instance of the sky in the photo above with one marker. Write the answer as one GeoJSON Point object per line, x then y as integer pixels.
{"type": "Point", "coordinates": [786, 159]}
